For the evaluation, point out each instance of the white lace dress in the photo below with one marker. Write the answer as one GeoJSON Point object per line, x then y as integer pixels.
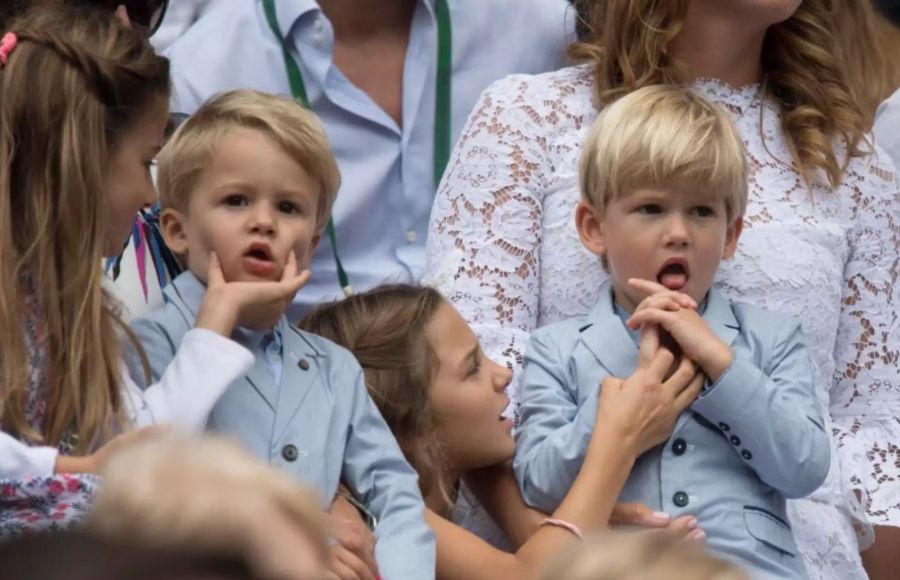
{"type": "Point", "coordinates": [503, 248]}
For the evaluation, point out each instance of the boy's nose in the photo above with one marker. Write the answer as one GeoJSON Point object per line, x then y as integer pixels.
{"type": "Point", "coordinates": [503, 376]}
{"type": "Point", "coordinates": [677, 232]}
{"type": "Point", "coordinates": [263, 219]}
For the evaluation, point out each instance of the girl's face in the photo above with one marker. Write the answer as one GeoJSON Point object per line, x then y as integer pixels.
{"type": "Point", "coordinates": [467, 395]}
{"type": "Point", "coordinates": [127, 184]}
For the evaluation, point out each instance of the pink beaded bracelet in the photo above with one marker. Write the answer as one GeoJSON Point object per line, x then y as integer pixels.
{"type": "Point", "coordinates": [564, 525]}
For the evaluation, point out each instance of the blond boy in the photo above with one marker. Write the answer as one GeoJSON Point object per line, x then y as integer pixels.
{"type": "Point", "coordinates": [249, 179]}
{"type": "Point", "coordinates": [664, 188]}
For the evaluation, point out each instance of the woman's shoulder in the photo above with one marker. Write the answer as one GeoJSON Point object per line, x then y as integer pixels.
{"type": "Point", "coordinates": [552, 97]}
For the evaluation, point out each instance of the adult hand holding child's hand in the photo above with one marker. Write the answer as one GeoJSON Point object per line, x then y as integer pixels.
{"type": "Point", "coordinates": [256, 305]}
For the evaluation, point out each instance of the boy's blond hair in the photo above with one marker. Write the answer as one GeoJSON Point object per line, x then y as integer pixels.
{"type": "Point", "coordinates": [664, 136]}
{"type": "Point", "coordinates": [293, 127]}
{"type": "Point", "coordinates": [639, 556]}
{"type": "Point", "coordinates": [198, 495]}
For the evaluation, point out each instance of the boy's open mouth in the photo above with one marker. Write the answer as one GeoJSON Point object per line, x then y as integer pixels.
{"type": "Point", "coordinates": [674, 274]}
{"type": "Point", "coordinates": [259, 260]}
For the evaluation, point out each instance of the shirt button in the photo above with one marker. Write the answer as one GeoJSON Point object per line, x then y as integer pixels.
{"type": "Point", "coordinates": [411, 236]}
{"type": "Point", "coordinates": [680, 499]}
{"type": "Point", "coordinates": [735, 440]}
{"type": "Point", "coordinates": [724, 427]}
{"type": "Point", "coordinates": [289, 452]}
{"type": "Point", "coordinates": [746, 455]}
{"type": "Point", "coordinates": [679, 447]}
{"type": "Point", "coordinates": [303, 364]}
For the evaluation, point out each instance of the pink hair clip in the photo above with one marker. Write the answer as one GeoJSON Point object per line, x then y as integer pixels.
{"type": "Point", "coordinates": [7, 45]}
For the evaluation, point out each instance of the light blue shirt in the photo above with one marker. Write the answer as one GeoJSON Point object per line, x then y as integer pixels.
{"type": "Point", "coordinates": [265, 345]}
{"type": "Point", "coordinates": [383, 206]}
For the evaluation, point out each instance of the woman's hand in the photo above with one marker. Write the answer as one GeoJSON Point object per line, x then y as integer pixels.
{"type": "Point", "coordinates": [94, 463]}
{"type": "Point", "coordinates": [641, 410]}
{"type": "Point", "coordinates": [353, 556]}
{"type": "Point", "coordinates": [256, 305]}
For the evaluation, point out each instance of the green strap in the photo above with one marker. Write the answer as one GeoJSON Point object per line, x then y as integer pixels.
{"type": "Point", "coordinates": [442, 103]}
{"type": "Point", "coordinates": [442, 93]}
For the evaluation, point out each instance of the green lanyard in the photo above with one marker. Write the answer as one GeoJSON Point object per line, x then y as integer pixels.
{"type": "Point", "coordinates": [441, 104]}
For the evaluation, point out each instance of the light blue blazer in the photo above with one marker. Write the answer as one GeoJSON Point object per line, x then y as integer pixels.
{"type": "Point", "coordinates": [748, 442]}
{"type": "Point", "coordinates": [320, 426]}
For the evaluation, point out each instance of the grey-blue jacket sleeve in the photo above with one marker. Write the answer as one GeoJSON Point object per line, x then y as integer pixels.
{"type": "Point", "coordinates": [377, 473]}
{"type": "Point", "coordinates": [772, 416]}
{"type": "Point", "coordinates": [159, 346]}
{"type": "Point", "coordinates": [555, 423]}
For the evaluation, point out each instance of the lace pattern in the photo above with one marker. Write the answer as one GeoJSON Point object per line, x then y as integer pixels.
{"type": "Point", "coordinates": [504, 251]}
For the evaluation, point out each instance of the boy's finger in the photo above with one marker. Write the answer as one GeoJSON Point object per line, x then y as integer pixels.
{"type": "Point", "coordinates": [682, 377]}
{"type": "Point", "coordinates": [290, 268]}
{"type": "Point", "coordinates": [662, 318]}
{"type": "Point", "coordinates": [647, 286]}
{"type": "Point", "coordinates": [690, 394]}
{"type": "Point", "coordinates": [214, 275]}
{"type": "Point", "coordinates": [662, 362]}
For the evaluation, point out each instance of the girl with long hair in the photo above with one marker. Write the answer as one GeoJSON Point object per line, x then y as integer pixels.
{"type": "Point", "coordinates": [83, 109]}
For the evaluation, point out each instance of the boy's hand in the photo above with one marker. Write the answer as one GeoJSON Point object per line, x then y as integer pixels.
{"type": "Point", "coordinates": [687, 328]}
{"type": "Point", "coordinates": [353, 556]}
{"type": "Point", "coordinates": [256, 305]}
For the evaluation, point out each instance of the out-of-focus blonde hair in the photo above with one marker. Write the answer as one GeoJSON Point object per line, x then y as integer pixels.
{"type": "Point", "coordinates": [293, 127]}
{"type": "Point", "coordinates": [663, 135]}
{"type": "Point", "coordinates": [639, 556]}
{"type": "Point", "coordinates": [630, 41]}
{"type": "Point", "coordinates": [197, 495]}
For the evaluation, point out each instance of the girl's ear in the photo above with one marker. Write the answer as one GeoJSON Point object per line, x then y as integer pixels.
{"type": "Point", "coordinates": [172, 225]}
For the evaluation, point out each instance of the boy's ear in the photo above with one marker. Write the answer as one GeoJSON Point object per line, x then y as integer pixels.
{"type": "Point", "coordinates": [172, 226]}
{"type": "Point", "coordinates": [590, 228]}
{"type": "Point", "coordinates": [731, 238]}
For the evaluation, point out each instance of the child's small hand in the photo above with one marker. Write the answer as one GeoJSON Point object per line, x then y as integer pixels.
{"type": "Point", "coordinates": [695, 338]}
{"type": "Point", "coordinates": [256, 305]}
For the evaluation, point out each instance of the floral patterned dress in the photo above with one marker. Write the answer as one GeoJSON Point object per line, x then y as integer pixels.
{"type": "Point", "coordinates": [42, 502]}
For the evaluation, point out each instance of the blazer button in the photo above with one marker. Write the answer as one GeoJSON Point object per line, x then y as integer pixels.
{"type": "Point", "coordinates": [679, 446]}
{"type": "Point", "coordinates": [746, 455]}
{"type": "Point", "coordinates": [303, 364]}
{"type": "Point", "coordinates": [724, 427]}
{"type": "Point", "coordinates": [735, 440]}
{"type": "Point", "coordinates": [680, 499]}
{"type": "Point", "coordinates": [289, 452]}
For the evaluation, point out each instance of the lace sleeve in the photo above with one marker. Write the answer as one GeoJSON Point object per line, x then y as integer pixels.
{"type": "Point", "coordinates": [485, 232]}
{"type": "Point", "coordinates": [866, 392]}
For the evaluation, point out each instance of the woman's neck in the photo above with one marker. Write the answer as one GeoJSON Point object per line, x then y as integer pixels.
{"type": "Point", "coordinates": [720, 48]}
{"type": "Point", "coordinates": [360, 19]}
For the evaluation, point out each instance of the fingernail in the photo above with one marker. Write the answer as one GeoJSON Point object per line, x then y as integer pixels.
{"type": "Point", "coordinates": [660, 517]}
{"type": "Point", "coordinates": [692, 523]}
{"type": "Point", "coordinates": [697, 535]}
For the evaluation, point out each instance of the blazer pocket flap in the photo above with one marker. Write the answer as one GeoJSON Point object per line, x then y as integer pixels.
{"type": "Point", "coordinates": [770, 530]}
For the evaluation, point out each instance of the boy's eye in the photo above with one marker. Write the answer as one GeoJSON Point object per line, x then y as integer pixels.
{"type": "Point", "coordinates": [236, 200]}
{"type": "Point", "coordinates": [649, 209]}
{"type": "Point", "coordinates": [703, 211]}
{"type": "Point", "coordinates": [288, 207]}
{"type": "Point", "coordinates": [476, 366]}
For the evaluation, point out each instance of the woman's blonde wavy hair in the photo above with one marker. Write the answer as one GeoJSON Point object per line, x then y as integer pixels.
{"type": "Point", "coordinates": [630, 42]}
{"type": "Point", "coordinates": [76, 82]}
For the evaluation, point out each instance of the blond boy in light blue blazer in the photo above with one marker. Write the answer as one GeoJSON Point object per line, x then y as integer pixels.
{"type": "Point", "coordinates": [664, 189]}
{"type": "Point", "coordinates": [246, 185]}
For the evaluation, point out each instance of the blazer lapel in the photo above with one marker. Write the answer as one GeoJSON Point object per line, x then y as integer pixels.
{"type": "Point", "coordinates": [300, 373]}
{"type": "Point", "coordinates": [260, 378]}
{"type": "Point", "coordinates": [607, 339]}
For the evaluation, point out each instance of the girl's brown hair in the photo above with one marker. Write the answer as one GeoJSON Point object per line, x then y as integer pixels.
{"type": "Point", "coordinates": [385, 330]}
{"type": "Point", "coordinates": [630, 42]}
{"type": "Point", "coordinates": [76, 82]}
